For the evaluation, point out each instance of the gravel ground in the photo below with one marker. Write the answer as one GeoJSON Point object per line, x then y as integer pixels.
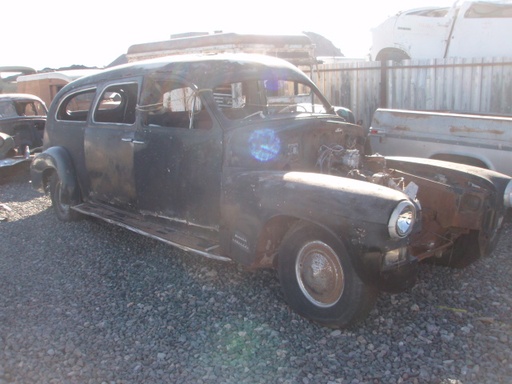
{"type": "Point", "coordinates": [88, 302]}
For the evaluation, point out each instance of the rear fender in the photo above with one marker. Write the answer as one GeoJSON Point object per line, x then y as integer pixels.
{"type": "Point", "coordinates": [55, 159]}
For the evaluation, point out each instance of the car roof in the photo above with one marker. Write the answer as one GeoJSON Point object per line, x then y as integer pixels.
{"type": "Point", "coordinates": [202, 69]}
{"type": "Point", "coordinates": [66, 75]}
{"type": "Point", "coordinates": [20, 97]}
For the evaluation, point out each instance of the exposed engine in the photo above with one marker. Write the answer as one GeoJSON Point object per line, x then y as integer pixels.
{"type": "Point", "coordinates": [336, 160]}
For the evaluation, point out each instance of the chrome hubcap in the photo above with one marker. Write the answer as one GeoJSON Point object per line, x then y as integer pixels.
{"type": "Point", "coordinates": [320, 274]}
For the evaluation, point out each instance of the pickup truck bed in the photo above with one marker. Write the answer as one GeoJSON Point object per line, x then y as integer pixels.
{"type": "Point", "coordinates": [480, 140]}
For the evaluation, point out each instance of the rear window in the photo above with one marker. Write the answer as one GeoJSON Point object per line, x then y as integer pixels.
{"type": "Point", "coordinates": [76, 107]}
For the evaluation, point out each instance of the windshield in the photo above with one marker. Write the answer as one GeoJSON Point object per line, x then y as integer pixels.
{"type": "Point", "coordinates": [271, 97]}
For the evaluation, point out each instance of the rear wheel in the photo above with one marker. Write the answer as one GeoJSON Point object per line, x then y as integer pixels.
{"type": "Point", "coordinates": [319, 281]}
{"type": "Point", "coordinates": [392, 54]}
{"type": "Point", "coordinates": [62, 210]}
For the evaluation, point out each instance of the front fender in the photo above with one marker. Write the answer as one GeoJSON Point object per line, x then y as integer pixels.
{"type": "Point", "coordinates": [454, 174]}
{"type": "Point", "coordinates": [354, 211]}
{"type": "Point", "coordinates": [55, 159]}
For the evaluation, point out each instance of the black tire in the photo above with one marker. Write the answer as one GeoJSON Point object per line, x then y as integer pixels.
{"type": "Point", "coordinates": [62, 210]}
{"type": "Point", "coordinates": [464, 252]}
{"type": "Point", "coordinates": [468, 248]}
{"type": "Point", "coordinates": [336, 297]}
{"type": "Point", "coordinates": [393, 55]}
{"type": "Point", "coordinates": [488, 241]}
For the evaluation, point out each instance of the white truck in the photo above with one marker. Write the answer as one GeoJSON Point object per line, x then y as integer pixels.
{"type": "Point", "coordinates": [467, 29]}
{"type": "Point", "coordinates": [481, 140]}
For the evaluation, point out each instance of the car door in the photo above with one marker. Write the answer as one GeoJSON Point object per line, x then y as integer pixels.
{"type": "Point", "coordinates": [424, 32]}
{"type": "Point", "coordinates": [178, 166]}
{"type": "Point", "coordinates": [109, 146]}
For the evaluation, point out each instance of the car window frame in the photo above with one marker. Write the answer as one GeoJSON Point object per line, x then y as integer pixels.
{"type": "Point", "coordinates": [101, 91]}
{"type": "Point", "coordinates": [68, 96]}
{"type": "Point", "coordinates": [183, 83]}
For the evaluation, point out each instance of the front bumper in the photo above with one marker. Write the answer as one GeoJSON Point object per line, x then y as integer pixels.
{"type": "Point", "coordinates": [400, 277]}
{"type": "Point", "coordinates": [393, 271]}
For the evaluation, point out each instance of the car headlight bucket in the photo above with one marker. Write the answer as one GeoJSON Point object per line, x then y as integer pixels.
{"type": "Point", "coordinates": [402, 220]}
{"type": "Point", "coordinates": [507, 196]}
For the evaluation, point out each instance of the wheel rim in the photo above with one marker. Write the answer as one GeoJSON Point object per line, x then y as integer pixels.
{"type": "Point", "coordinates": [319, 274]}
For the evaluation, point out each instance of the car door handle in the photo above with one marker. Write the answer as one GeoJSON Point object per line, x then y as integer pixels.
{"type": "Point", "coordinates": [130, 140]}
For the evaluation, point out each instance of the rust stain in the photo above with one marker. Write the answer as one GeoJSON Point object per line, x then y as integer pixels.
{"type": "Point", "coordinates": [454, 129]}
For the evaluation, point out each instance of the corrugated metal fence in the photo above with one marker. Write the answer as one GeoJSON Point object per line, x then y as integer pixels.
{"type": "Point", "coordinates": [455, 85]}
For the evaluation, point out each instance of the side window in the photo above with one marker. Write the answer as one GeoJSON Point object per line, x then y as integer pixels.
{"type": "Point", "coordinates": [117, 104]}
{"type": "Point", "coordinates": [76, 107]}
{"type": "Point", "coordinates": [485, 10]}
{"type": "Point", "coordinates": [7, 109]}
{"type": "Point", "coordinates": [32, 108]}
{"type": "Point", "coordinates": [171, 104]}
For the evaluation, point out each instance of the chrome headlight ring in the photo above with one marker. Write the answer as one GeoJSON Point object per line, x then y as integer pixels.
{"type": "Point", "coordinates": [401, 221]}
{"type": "Point", "coordinates": [507, 195]}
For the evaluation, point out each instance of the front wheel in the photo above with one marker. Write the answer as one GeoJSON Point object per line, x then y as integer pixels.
{"type": "Point", "coordinates": [319, 281]}
{"type": "Point", "coordinates": [62, 210]}
{"type": "Point", "coordinates": [468, 248]}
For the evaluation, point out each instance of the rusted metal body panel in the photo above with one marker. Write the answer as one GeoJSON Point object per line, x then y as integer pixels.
{"type": "Point", "coordinates": [473, 139]}
{"type": "Point", "coordinates": [215, 155]}
{"type": "Point", "coordinates": [456, 199]}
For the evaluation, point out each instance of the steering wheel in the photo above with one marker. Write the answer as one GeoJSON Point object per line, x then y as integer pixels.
{"type": "Point", "coordinates": [292, 108]}
{"type": "Point", "coordinates": [258, 113]}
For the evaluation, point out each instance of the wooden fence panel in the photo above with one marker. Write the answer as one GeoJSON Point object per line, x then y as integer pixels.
{"type": "Point", "coordinates": [456, 85]}
{"type": "Point", "coordinates": [353, 85]}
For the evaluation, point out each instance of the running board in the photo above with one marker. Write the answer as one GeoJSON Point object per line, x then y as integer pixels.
{"type": "Point", "coordinates": [138, 224]}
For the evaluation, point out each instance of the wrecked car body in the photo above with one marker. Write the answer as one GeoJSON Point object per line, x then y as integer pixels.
{"type": "Point", "coordinates": [213, 154]}
{"type": "Point", "coordinates": [22, 122]}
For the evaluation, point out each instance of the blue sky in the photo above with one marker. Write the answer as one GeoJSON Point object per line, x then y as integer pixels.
{"type": "Point", "coordinates": [57, 33]}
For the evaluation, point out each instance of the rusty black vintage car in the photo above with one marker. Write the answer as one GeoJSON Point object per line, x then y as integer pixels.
{"type": "Point", "coordinates": [217, 155]}
{"type": "Point", "coordinates": [22, 122]}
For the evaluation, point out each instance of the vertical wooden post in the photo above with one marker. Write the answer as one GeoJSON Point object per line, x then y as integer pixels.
{"type": "Point", "coordinates": [383, 102]}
